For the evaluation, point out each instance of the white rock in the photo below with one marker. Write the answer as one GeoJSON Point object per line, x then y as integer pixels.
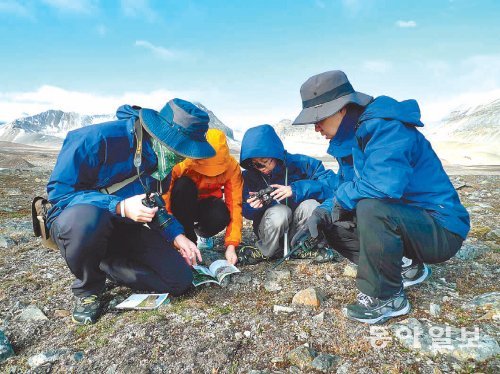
{"type": "Point", "coordinates": [283, 309]}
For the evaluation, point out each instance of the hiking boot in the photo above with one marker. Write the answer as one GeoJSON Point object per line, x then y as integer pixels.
{"type": "Point", "coordinates": [376, 311]}
{"type": "Point", "coordinates": [414, 274]}
{"type": "Point", "coordinates": [87, 310]}
{"type": "Point", "coordinates": [249, 255]}
{"type": "Point", "coordinates": [319, 255]}
{"type": "Point", "coordinates": [205, 244]}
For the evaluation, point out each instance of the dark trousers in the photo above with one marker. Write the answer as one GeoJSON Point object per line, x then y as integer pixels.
{"type": "Point", "coordinates": [386, 231]}
{"type": "Point", "coordinates": [97, 244]}
{"type": "Point", "coordinates": [207, 217]}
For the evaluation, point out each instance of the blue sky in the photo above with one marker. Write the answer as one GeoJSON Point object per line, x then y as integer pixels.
{"type": "Point", "coordinates": [244, 60]}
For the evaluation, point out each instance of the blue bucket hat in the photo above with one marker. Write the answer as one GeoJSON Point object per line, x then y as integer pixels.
{"type": "Point", "coordinates": [181, 126]}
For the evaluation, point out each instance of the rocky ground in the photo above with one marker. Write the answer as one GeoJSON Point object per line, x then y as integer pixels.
{"type": "Point", "coordinates": [255, 323]}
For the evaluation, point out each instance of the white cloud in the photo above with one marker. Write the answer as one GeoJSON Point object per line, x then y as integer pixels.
{"type": "Point", "coordinates": [18, 104]}
{"type": "Point", "coordinates": [162, 52]}
{"type": "Point", "coordinates": [15, 7]}
{"type": "Point", "coordinates": [235, 113]}
{"type": "Point", "coordinates": [377, 66]}
{"type": "Point", "coordinates": [74, 6]}
{"type": "Point", "coordinates": [406, 24]}
{"type": "Point", "coordinates": [139, 9]}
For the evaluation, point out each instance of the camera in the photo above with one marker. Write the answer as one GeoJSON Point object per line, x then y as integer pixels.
{"type": "Point", "coordinates": [264, 195]}
{"type": "Point", "coordinates": [162, 218]}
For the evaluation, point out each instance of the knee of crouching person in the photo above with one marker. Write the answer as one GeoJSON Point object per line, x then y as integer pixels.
{"type": "Point", "coordinates": [183, 282]}
{"type": "Point", "coordinates": [369, 208]}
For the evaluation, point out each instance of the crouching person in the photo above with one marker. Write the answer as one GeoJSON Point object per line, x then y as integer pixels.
{"type": "Point", "coordinates": [399, 201]}
{"type": "Point", "coordinates": [298, 183]}
{"type": "Point", "coordinates": [98, 219]}
{"type": "Point", "coordinates": [205, 196]}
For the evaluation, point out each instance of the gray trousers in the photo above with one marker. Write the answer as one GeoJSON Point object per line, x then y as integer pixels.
{"type": "Point", "coordinates": [279, 219]}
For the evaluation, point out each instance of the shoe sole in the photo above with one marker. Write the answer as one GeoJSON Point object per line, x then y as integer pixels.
{"type": "Point", "coordinates": [383, 318]}
{"type": "Point", "coordinates": [427, 273]}
{"type": "Point", "coordinates": [87, 321]}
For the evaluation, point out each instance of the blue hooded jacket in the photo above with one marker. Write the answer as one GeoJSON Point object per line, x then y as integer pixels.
{"type": "Point", "coordinates": [307, 176]}
{"type": "Point", "coordinates": [98, 156]}
{"type": "Point", "coordinates": [393, 160]}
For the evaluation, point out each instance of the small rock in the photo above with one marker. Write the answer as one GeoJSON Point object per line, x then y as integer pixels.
{"type": "Point", "coordinates": [43, 358]}
{"type": "Point", "coordinates": [435, 310]}
{"type": "Point", "coordinates": [6, 349]}
{"type": "Point", "coordinates": [247, 334]}
{"type": "Point", "coordinates": [328, 277]}
{"type": "Point", "coordinates": [493, 235]}
{"type": "Point", "coordinates": [283, 309]}
{"type": "Point", "coordinates": [272, 286]}
{"type": "Point", "coordinates": [78, 356]}
{"type": "Point", "coordinates": [278, 275]}
{"type": "Point", "coordinates": [319, 318]}
{"type": "Point", "coordinates": [38, 180]}
{"type": "Point", "coordinates": [32, 313]}
{"type": "Point", "coordinates": [345, 368]}
{"type": "Point", "coordinates": [301, 356]}
{"type": "Point", "coordinates": [351, 270]}
{"type": "Point", "coordinates": [310, 296]}
{"type": "Point", "coordinates": [471, 250]}
{"type": "Point", "coordinates": [3, 242]}
{"type": "Point", "coordinates": [490, 300]}
{"type": "Point", "coordinates": [324, 362]}
{"type": "Point", "coordinates": [242, 278]}
{"type": "Point", "coordinates": [238, 335]}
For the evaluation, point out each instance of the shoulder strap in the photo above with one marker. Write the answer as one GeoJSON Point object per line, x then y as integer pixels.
{"type": "Point", "coordinates": [118, 186]}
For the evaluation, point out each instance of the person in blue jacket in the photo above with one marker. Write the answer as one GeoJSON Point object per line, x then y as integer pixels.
{"type": "Point", "coordinates": [98, 219]}
{"type": "Point", "coordinates": [301, 183]}
{"type": "Point", "coordinates": [397, 201]}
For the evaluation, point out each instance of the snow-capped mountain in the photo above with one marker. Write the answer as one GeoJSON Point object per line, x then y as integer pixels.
{"type": "Point", "coordinates": [47, 128]}
{"type": "Point", "coordinates": [468, 136]}
{"type": "Point", "coordinates": [301, 139]}
{"type": "Point", "coordinates": [216, 123]}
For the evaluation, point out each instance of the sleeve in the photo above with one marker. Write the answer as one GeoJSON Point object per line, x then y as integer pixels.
{"type": "Point", "coordinates": [75, 175]}
{"type": "Point", "coordinates": [176, 173]}
{"type": "Point", "coordinates": [249, 212]}
{"type": "Point", "coordinates": [233, 192]}
{"type": "Point", "coordinates": [316, 183]}
{"type": "Point", "coordinates": [384, 168]}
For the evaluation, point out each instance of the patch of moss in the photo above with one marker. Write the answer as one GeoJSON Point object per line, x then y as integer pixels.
{"type": "Point", "coordinates": [479, 232]}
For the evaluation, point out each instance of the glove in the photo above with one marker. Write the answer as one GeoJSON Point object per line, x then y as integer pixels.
{"type": "Point", "coordinates": [342, 217]}
{"type": "Point", "coordinates": [319, 217]}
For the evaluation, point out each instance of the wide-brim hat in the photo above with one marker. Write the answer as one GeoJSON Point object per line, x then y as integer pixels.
{"type": "Point", "coordinates": [325, 94]}
{"type": "Point", "coordinates": [181, 126]}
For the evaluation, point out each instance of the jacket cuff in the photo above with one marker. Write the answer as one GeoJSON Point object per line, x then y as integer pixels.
{"type": "Point", "coordinates": [171, 231]}
{"type": "Point", "coordinates": [226, 244]}
{"type": "Point", "coordinates": [114, 201]}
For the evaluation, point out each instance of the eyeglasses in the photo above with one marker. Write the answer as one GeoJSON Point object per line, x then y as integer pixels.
{"type": "Point", "coordinates": [263, 164]}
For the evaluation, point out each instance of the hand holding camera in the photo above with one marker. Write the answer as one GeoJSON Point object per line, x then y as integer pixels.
{"type": "Point", "coordinates": [134, 209]}
{"type": "Point", "coordinates": [261, 198]}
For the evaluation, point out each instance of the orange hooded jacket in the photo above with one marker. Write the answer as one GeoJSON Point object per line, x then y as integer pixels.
{"type": "Point", "coordinates": [212, 174]}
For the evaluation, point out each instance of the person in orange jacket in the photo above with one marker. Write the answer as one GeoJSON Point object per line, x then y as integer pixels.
{"type": "Point", "coordinates": [205, 196]}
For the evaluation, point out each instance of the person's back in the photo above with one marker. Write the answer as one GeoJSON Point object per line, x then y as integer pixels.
{"type": "Point", "coordinates": [208, 192]}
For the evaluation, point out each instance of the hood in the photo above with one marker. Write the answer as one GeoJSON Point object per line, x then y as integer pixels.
{"type": "Point", "coordinates": [126, 111]}
{"type": "Point", "coordinates": [260, 141]}
{"type": "Point", "coordinates": [387, 108]}
{"type": "Point", "coordinates": [214, 165]}
{"type": "Point", "coordinates": [343, 141]}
